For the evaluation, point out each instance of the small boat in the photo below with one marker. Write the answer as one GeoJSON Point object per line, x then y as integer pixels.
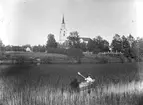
{"type": "Point", "coordinates": [86, 86]}
{"type": "Point", "coordinates": [82, 86]}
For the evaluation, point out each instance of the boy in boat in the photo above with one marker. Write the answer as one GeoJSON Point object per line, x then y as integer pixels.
{"type": "Point", "coordinates": [86, 85]}
{"type": "Point", "coordinates": [89, 79]}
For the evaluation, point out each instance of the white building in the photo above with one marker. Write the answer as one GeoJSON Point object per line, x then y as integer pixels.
{"type": "Point", "coordinates": [63, 36]}
{"type": "Point", "coordinates": [28, 49]}
{"type": "Point", "coordinates": [85, 40]}
{"type": "Point", "coordinates": [63, 32]}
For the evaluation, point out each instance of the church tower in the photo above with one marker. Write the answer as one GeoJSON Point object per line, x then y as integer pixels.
{"type": "Point", "coordinates": [63, 32]}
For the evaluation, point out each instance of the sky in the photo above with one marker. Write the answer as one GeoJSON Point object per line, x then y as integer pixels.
{"type": "Point", "coordinates": [30, 21]}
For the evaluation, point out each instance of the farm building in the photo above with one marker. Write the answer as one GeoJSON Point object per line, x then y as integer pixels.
{"type": "Point", "coordinates": [85, 40]}
{"type": "Point", "coordinates": [28, 49]}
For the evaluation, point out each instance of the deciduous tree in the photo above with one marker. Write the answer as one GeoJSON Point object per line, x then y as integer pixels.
{"type": "Point", "coordinates": [51, 42]}
{"type": "Point", "coordinates": [1, 45]}
{"type": "Point", "coordinates": [98, 44]}
{"type": "Point", "coordinates": [116, 43]}
{"type": "Point", "coordinates": [83, 46]}
{"type": "Point", "coordinates": [90, 45]}
{"type": "Point", "coordinates": [74, 40]}
{"type": "Point", "coordinates": [75, 53]}
{"type": "Point", "coordinates": [131, 40]}
{"type": "Point", "coordinates": [125, 46]}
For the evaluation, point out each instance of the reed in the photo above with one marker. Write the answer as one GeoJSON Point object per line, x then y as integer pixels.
{"type": "Point", "coordinates": [41, 93]}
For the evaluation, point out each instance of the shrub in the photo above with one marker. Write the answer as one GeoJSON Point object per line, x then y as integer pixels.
{"type": "Point", "coordinates": [2, 56]}
{"type": "Point", "coordinates": [96, 51]}
{"type": "Point", "coordinates": [101, 59]}
{"type": "Point", "coordinates": [19, 59]}
{"type": "Point", "coordinates": [46, 60]}
{"type": "Point", "coordinates": [75, 53]}
{"type": "Point", "coordinates": [122, 58]}
{"type": "Point", "coordinates": [57, 50]}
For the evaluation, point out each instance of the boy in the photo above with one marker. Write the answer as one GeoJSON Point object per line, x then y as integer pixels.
{"type": "Point", "coordinates": [89, 79]}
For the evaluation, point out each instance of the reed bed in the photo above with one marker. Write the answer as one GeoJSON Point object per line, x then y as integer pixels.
{"type": "Point", "coordinates": [40, 93]}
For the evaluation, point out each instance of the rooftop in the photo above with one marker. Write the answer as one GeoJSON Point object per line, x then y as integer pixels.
{"type": "Point", "coordinates": [85, 39]}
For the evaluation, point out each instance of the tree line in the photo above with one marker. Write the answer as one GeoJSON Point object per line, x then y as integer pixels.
{"type": "Point", "coordinates": [128, 45]}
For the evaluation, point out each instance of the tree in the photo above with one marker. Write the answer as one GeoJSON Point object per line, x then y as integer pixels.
{"type": "Point", "coordinates": [42, 48]}
{"type": "Point", "coordinates": [131, 40]}
{"type": "Point", "coordinates": [90, 45]}
{"type": "Point", "coordinates": [26, 46]}
{"type": "Point", "coordinates": [8, 48]}
{"type": "Point", "coordinates": [116, 43]}
{"type": "Point", "coordinates": [132, 48]}
{"type": "Point", "coordinates": [74, 40]}
{"type": "Point", "coordinates": [98, 44]}
{"type": "Point", "coordinates": [125, 46]}
{"type": "Point", "coordinates": [75, 54]}
{"type": "Point", "coordinates": [99, 39]}
{"type": "Point", "coordinates": [125, 43]}
{"type": "Point", "coordinates": [1, 45]}
{"type": "Point", "coordinates": [39, 48]}
{"type": "Point", "coordinates": [15, 48]}
{"type": "Point", "coordinates": [105, 46]}
{"type": "Point", "coordinates": [83, 46]}
{"type": "Point", "coordinates": [51, 43]}
{"type": "Point", "coordinates": [138, 49]}
{"type": "Point", "coordinates": [36, 49]}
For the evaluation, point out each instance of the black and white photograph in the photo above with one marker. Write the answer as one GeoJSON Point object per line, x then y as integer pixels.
{"type": "Point", "coordinates": [71, 52]}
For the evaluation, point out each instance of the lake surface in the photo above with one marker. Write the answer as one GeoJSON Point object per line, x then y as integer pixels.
{"type": "Point", "coordinates": [66, 72]}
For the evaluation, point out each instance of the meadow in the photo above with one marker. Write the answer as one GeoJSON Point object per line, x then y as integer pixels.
{"type": "Point", "coordinates": [48, 84]}
{"type": "Point", "coordinates": [58, 58]}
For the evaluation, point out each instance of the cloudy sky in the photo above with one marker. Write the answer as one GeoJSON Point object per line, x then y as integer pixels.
{"type": "Point", "coordinates": [30, 21]}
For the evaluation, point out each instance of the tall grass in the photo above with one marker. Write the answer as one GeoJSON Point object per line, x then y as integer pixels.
{"type": "Point", "coordinates": [42, 92]}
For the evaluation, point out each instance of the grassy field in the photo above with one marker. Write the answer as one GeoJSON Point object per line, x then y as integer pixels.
{"type": "Point", "coordinates": [59, 58]}
{"type": "Point", "coordinates": [35, 54]}
{"type": "Point", "coordinates": [116, 84]}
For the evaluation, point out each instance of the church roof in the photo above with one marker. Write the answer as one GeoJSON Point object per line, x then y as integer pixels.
{"type": "Point", "coordinates": [85, 39]}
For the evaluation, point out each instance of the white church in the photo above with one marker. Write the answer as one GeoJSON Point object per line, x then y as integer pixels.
{"type": "Point", "coordinates": [63, 35]}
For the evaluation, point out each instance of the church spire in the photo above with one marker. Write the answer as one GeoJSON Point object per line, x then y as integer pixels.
{"type": "Point", "coordinates": [63, 21]}
{"type": "Point", "coordinates": [63, 31]}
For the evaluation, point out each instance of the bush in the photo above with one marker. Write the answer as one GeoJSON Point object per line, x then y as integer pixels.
{"type": "Point", "coordinates": [57, 50]}
{"type": "Point", "coordinates": [20, 59]}
{"type": "Point", "coordinates": [96, 51]}
{"type": "Point", "coordinates": [75, 53]}
{"type": "Point", "coordinates": [46, 60]}
{"type": "Point", "coordinates": [102, 59]}
{"type": "Point", "coordinates": [122, 58]}
{"type": "Point", "coordinates": [2, 56]}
